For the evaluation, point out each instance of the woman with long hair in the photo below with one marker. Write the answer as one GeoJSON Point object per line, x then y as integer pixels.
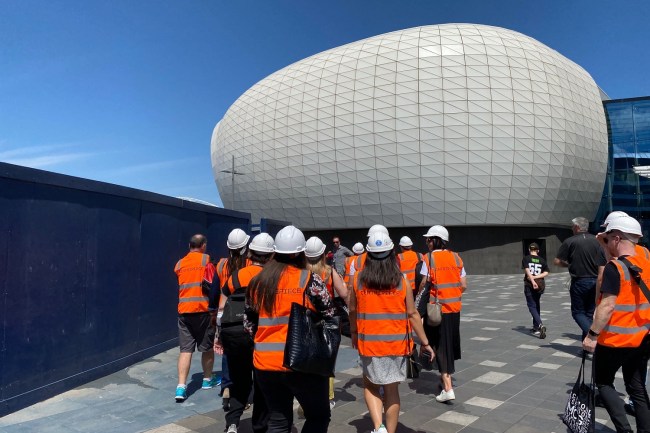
{"type": "Point", "coordinates": [445, 278]}
{"type": "Point", "coordinates": [236, 342]}
{"type": "Point", "coordinates": [317, 264]}
{"type": "Point", "coordinates": [225, 267]}
{"type": "Point", "coordinates": [285, 279]}
{"type": "Point", "coordinates": [382, 316]}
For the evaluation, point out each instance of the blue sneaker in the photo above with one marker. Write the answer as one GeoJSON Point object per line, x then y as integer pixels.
{"type": "Point", "coordinates": [211, 383]}
{"type": "Point", "coordinates": [181, 393]}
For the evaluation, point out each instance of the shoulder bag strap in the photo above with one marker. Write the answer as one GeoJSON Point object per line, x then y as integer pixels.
{"type": "Point", "coordinates": [635, 271]}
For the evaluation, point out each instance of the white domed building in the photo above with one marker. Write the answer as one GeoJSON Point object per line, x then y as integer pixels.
{"type": "Point", "coordinates": [458, 124]}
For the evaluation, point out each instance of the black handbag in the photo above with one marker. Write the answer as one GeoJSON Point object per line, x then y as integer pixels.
{"type": "Point", "coordinates": [312, 341]}
{"type": "Point", "coordinates": [413, 365]}
{"type": "Point", "coordinates": [579, 412]}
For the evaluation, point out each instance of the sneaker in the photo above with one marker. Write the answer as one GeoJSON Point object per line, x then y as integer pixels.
{"type": "Point", "coordinates": [542, 332]}
{"type": "Point", "coordinates": [538, 334]}
{"type": "Point", "coordinates": [446, 396]}
{"type": "Point", "coordinates": [232, 428]}
{"type": "Point", "coordinates": [332, 404]}
{"type": "Point", "coordinates": [533, 330]}
{"type": "Point", "coordinates": [380, 429]}
{"type": "Point", "coordinates": [225, 399]}
{"type": "Point", "coordinates": [181, 393]}
{"type": "Point", "coordinates": [211, 383]}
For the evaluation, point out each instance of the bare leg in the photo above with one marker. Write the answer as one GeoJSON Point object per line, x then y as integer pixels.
{"type": "Point", "coordinates": [207, 362]}
{"type": "Point", "coordinates": [373, 401]}
{"type": "Point", "coordinates": [391, 394]}
{"type": "Point", "coordinates": [446, 381]}
{"type": "Point", "coordinates": [184, 361]}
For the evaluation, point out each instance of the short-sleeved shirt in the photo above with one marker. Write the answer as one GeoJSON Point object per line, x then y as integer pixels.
{"type": "Point", "coordinates": [535, 264]}
{"type": "Point", "coordinates": [584, 255]}
{"type": "Point", "coordinates": [611, 279]}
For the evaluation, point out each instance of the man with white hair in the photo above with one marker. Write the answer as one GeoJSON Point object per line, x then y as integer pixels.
{"type": "Point", "coordinates": [619, 335]}
{"type": "Point", "coordinates": [584, 257]}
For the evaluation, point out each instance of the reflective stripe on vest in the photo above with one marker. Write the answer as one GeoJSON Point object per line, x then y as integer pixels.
{"type": "Point", "coordinates": [360, 262]}
{"type": "Point", "coordinates": [382, 321]}
{"type": "Point", "coordinates": [271, 334]}
{"type": "Point", "coordinates": [445, 268]}
{"type": "Point", "coordinates": [190, 271]}
{"type": "Point", "coordinates": [408, 260]}
{"type": "Point", "coordinates": [630, 320]}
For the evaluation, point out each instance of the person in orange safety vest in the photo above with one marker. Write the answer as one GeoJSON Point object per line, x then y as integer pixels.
{"type": "Point", "coordinates": [445, 274]}
{"type": "Point", "coordinates": [408, 259]}
{"type": "Point", "coordinates": [618, 335]}
{"type": "Point", "coordinates": [382, 317]}
{"type": "Point", "coordinates": [284, 280]}
{"type": "Point", "coordinates": [195, 322]}
{"type": "Point", "coordinates": [357, 249]}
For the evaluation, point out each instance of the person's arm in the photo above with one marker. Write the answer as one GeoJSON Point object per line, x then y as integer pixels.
{"type": "Point", "coordinates": [602, 316]}
{"type": "Point", "coordinates": [352, 314]}
{"type": "Point", "coordinates": [351, 275]}
{"type": "Point", "coordinates": [339, 285]}
{"type": "Point", "coordinates": [463, 284]}
{"type": "Point", "coordinates": [599, 281]}
{"type": "Point", "coordinates": [424, 271]}
{"type": "Point", "coordinates": [422, 299]}
{"type": "Point", "coordinates": [562, 258]}
{"type": "Point", "coordinates": [416, 322]}
{"type": "Point", "coordinates": [347, 252]}
{"type": "Point", "coordinates": [530, 277]}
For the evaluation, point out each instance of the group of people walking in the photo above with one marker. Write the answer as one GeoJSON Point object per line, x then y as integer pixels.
{"type": "Point", "coordinates": [245, 313]}
{"type": "Point", "coordinates": [250, 308]}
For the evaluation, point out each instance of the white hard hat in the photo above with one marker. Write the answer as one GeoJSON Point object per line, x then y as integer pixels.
{"type": "Point", "coordinates": [438, 231]}
{"type": "Point", "coordinates": [314, 247]}
{"type": "Point", "coordinates": [262, 243]}
{"type": "Point", "coordinates": [377, 228]}
{"type": "Point", "coordinates": [357, 248]}
{"type": "Point", "coordinates": [625, 224]}
{"type": "Point", "coordinates": [405, 242]}
{"type": "Point", "coordinates": [237, 239]}
{"type": "Point", "coordinates": [289, 240]}
{"type": "Point", "coordinates": [379, 242]}
{"type": "Point", "coordinates": [613, 215]}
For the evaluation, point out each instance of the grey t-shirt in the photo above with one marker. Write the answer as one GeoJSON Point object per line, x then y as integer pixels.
{"type": "Point", "coordinates": [340, 254]}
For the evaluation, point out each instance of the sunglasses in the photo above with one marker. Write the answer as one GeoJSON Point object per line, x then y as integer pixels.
{"type": "Point", "coordinates": [606, 238]}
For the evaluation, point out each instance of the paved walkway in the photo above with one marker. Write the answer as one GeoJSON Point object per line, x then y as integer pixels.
{"type": "Point", "coordinates": [507, 381]}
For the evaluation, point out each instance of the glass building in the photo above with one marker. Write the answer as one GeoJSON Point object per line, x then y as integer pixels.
{"type": "Point", "coordinates": [628, 128]}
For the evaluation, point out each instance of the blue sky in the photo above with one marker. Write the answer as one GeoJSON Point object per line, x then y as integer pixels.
{"type": "Point", "coordinates": [128, 92]}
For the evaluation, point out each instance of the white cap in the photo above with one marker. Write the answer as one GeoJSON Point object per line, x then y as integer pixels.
{"type": "Point", "coordinates": [438, 231]}
{"type": "Point", "coordinates": [237, 239]}
{"type": "Point", "coordinates": [357, 248]}
{"type": "Point", "coordinates": [379, 243]}
{"type": "Point", "coordinates": [377, 228]}
{"type": "Point", "coordinates": [314, 247]}
{"type": "Point", "coordinates": [289, 240]}
{"type": "Point", "coordinates": [405, 242]}
{"type": "Point", "coordinates": [625, 224]}
{"type": "Point", "coordinates": [262, 243]}
{"type": "Point", "coordinates": [612, 216]}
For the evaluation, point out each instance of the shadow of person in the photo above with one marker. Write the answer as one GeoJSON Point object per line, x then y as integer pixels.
{"type": "Point", "coordinates": [364, 424]}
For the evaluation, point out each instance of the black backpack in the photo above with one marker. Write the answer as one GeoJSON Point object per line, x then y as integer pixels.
{"type": "Point", "coordinates": [233, 310]}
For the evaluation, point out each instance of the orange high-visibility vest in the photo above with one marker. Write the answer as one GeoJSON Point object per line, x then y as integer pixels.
{"type": "Point", "coordinates": [641, 251]}
{"type": "Point", "coordinates": [407, 262]}
{"type": "Point", "coordinates": [360, 262]}
{"type": "Point", "coordinates": [190, 270]}
{"type": "Point", "coordinates": [244, 276]}
{"type": "Point", "coordinates": [222, 270]}
{"type": "Point", "coordinates": [382, 323]}
{"type": "Point", "coordinates": [348, 264]}
{"type": "Point", "coordinates": [445, 268]}
{"type": "Point", "coordinates": [327, 279]}
{"type": "Point", "coordinates": [272, 329]}
{"type": "Point", "coordinates": [630, 320]}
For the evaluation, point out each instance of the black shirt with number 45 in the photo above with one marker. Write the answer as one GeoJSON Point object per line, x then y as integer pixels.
{"type": "Point", "coordinates": [535, 264]}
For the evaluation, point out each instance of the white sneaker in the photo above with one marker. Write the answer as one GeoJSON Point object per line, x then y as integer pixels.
{"type": "Point", "coordinates": [232, 428]}
{"type": "Point", "coordinates": [332, 404]}
{"type": "Point", "coordinates": [446, 396]}
{"type": "Point", "coordinates": [380, 429]}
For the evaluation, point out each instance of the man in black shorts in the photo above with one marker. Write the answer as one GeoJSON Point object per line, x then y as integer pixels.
{"type": "Point", "coordinates": [536, 269]}
{"type": "Point", "coordinates": [195, 322]}
{"type": "Point", "coordinates": [584, 257]}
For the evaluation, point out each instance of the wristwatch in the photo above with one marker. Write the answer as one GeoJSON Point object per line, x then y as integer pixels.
{"type": "Point", "coordinates": [592, 333]}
